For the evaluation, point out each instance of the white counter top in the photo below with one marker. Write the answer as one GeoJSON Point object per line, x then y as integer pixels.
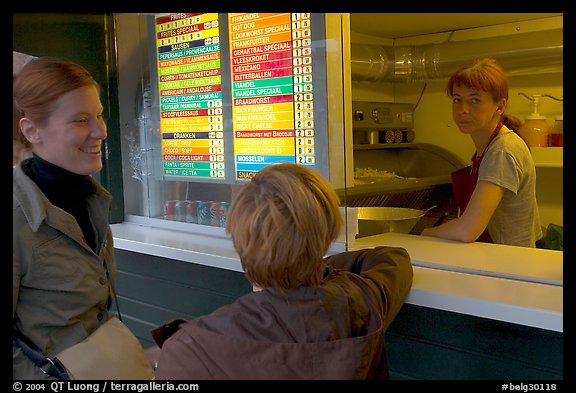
{"type": "Point", "coordinates": [518, 263]}
{"type": "Point", "coordinates": [511, 284]}
{"type": "Point", "coordinates": [518, 302]}
{"type": "Point", "coordinates": [208, 250]}
{"type": "Point", "coordinates": [214, 248]}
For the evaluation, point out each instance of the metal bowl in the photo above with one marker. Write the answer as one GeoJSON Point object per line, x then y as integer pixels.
{"type": "Point", "coordinates": [377, 220]}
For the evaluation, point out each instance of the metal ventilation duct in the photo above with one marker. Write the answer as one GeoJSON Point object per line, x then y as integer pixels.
{"type": "Point", "coordinates": [518, 54]}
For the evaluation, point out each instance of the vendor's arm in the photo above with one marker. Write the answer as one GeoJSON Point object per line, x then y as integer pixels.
{"type": "Point", "coordinates": [470, 225]}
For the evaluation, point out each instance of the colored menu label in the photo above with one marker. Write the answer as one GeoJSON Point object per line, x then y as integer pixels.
{"type": "Point", "coordinates": [272, 94]}
{"type": "Point", "coordinates": [190, 89]}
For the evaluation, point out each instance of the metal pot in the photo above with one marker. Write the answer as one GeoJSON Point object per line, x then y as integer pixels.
{"type": "Point", "coordinates": [377, 220]}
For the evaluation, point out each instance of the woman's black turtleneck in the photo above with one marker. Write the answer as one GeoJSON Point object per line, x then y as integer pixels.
{"type": "Point", "coordinates": [64, 189]}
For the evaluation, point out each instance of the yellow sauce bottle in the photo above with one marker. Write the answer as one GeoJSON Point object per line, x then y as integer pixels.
{"type": "Point", "coordinates": [535, 129]}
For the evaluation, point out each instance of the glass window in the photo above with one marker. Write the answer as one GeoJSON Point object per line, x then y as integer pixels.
{"type": "Point", "coordinates": [208, 99]}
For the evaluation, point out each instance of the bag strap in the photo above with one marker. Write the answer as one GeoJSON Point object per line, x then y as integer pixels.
{"type": "Point", "coordinates": [50, 366]}
{"type": "Point", "coordinates": [113, 290]}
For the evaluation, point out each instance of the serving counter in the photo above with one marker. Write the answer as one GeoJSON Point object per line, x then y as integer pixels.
{"type": "Point", "coordinates": [512, 284]}
{"type": "Point", "coordinates": [504, 283]}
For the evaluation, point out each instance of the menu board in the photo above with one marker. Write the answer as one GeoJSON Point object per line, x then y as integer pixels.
{"type": "Point", "coordinates": [236, 93]}
{"type": "Point", "coordinates": [190, 91]}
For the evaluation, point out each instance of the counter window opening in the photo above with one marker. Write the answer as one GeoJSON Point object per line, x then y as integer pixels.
{"type": "Point", "coordinates": [216, 100]}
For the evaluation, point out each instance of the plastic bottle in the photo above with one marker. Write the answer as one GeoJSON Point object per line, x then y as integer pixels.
{"type": "Point", "coordinates": [556, 136]}
{"type": "Point", "coordinates": [535, 129]}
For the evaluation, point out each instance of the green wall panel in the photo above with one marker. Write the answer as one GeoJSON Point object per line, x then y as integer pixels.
{"type": "Point", "coordinates": [459, 346]}
{"type": "Point", "coordinates": [152, 290]}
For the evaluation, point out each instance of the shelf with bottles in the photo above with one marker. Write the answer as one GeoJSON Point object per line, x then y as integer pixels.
{"type": "Point", "coordinates": [548, 157]}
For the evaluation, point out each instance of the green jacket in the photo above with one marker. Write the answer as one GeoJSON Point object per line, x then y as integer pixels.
{"type": "Point", "coordinates": [61, 292]}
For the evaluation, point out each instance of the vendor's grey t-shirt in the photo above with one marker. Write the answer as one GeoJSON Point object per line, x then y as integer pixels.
{"type": "Point", "coordinates": [508, 163]}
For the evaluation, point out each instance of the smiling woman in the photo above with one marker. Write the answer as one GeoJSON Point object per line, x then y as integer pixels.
{"type": "Point", "coordinates": [67, 127]}
{"type": "Point", "coordinates": [63, 261]}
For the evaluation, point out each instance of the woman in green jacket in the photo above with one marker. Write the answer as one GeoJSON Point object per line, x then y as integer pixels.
{"type": "Point", "coordinates": [63, 265]}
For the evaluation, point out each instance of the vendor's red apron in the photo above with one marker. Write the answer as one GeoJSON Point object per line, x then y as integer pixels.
{"type": "Point", "coordinates": [464, 181]}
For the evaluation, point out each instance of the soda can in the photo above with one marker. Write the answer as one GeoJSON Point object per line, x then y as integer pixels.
{"type": "Point", "coordinates": [204, 212]}
{"type": "Point", "coordinates": [215, 214]}
{"type": "Point", "coordinates": [180, 210]}
{"type": "Point", "coordinates": [192, 211]}
{"type": "Point", "coordinates": [170, 210]}
{"type": "Point", "coordinates": [224, 206]}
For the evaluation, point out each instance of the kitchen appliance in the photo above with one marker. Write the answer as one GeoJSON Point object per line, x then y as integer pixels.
{"type": "Point", "coordinates": [394, 173]}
